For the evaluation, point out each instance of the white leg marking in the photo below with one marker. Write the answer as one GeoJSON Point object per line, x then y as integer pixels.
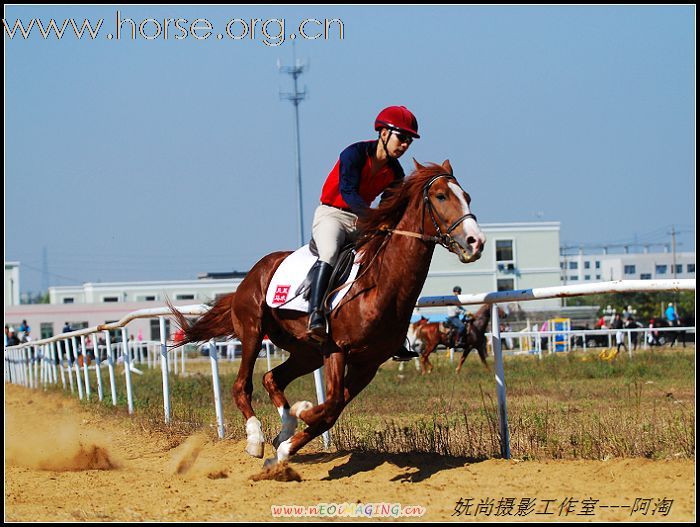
{"type": "Point", "coordinates": [300, 406]}
{"type": "Point", "coordinates": [289, 426]}
{"type": "Point", "coordinates": [256, 440]}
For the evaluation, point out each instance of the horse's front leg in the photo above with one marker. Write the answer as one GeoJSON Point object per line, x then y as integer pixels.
{"type": "Point", "coordinates": [321, 417]}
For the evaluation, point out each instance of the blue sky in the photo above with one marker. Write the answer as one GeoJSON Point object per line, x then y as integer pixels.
{"type": "Point", "coordinates": [162, 159]}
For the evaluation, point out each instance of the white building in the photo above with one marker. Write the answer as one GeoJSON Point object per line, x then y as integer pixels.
{"type": "Point", "coordinates": [516, 256]}
{"type": "Point", "coordinates": [93, 304]}
{"type": "Point", "coordinates": [582, 268]}
{"type": "Point", "coordinates": [11, 283]}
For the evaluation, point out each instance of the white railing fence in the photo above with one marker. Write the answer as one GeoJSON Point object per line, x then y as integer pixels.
{"type": "Point", "coordinates": [42, 361]}
{"type": "Point", "coordinates": [522, 295]}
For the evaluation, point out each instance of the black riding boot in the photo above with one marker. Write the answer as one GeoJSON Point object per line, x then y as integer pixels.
{"type": "Point", "coordinates": [320, 275]}
{"type": "Point", "coordinates": [405, 354]}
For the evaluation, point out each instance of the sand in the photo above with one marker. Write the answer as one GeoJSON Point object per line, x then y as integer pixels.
{"type": "Point", "coordinates": [63, 462]}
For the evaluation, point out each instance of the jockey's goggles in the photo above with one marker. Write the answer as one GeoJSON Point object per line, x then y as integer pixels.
{"type": "Point", "coordinates": [403, 137]}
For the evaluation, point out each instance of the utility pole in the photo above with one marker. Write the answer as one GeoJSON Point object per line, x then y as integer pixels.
{"type": "Point", "coordinates": [673, 245]}
{"type": "Point", "coordinates": [296, 97]}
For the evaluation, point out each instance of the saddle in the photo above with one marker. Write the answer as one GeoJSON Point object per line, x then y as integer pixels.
{"type": "Point", "coordinates": [290, 285]}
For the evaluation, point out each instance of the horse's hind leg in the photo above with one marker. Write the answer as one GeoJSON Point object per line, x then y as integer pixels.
{"type": "Point", "coordinates": [302, 360]}
{"type": "Point", "coordinates": [243, 392]}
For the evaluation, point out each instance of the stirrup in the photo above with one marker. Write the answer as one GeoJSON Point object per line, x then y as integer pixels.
{"type": "Point", "coordinates": [404, 354]}
{"type": "Point", "coordinates": [316, 329]}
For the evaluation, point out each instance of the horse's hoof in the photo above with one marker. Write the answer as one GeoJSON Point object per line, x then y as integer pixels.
{"type": "Point", "coordinates": [281, 438]}
{"type": "Point", "coordinates": [255, 449]}
{"type": "Point", "coordinates": [300, 406]}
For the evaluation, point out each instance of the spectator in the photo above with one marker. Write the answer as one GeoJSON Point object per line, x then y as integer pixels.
{"type": "Point", "coordinates": [601, 323]}
{"type": "Point", "coordinates": [652, 335]}
{"type": "Point", "coordinates": [12, 339]}
{"type": "Point", "coordinates": [454, 315]}
{"type": "Point", "coordinates": [24, 327]}
{"type": "Point", "coordinates": [619, 334]}
{"type": "Point", "coordinates": [627, 313]}
{"type": "Point", "coordinates": [671, 315]}
{"type": "Point", "coordinates": [631, 323]}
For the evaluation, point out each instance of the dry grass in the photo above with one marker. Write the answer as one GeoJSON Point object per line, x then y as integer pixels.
{"type": "Point", "coordinates": [571, 406]}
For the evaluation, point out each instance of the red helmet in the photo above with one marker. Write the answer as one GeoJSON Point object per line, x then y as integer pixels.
{"type": "Point", "coordinates": [398, 117]}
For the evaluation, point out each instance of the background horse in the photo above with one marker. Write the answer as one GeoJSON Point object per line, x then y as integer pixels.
{"type": "Point", "coordinates": [366, 328]}
{"type": "Point", "coordinates": [431, 334]}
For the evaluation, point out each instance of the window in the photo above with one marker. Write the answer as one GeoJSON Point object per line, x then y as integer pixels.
{"type": "Point", "coordinates": [573, 265]}
{"type": "Point", "coordinates": [661, 269]}
{"type": "Point", "coordinates": [573, 278]}
{"type": "Point", "coordinates": [586, 265]}
{"type": "Point", "coordinates": [184, 297]}
{"type": "Point", "coordinates": [630, 269]}
{"type": "Point", "coordinates": [679, 268]}
{"type": "Point", "coordinates": [505, 284]}
{"type": "Point", "coordinates": [597, 265]}
{"type": "Point", "coordinates": [110, 299]}
{"type": "Point", "coordinates": [691, 268]}
{"type": "Point", "coordinates": [597, 277]}
{"type": "Point", "coordinates": [504, 250]}
{"type": "Point", "coordinates": [46, 329]}
{"type": "Point", "coordinates": [562, 265]}
{"type": "Point", "coordinates": [155, 328]}
{"type": "Point", "coordinates": [587, 277]}
{"type": "Point", "coordinates": [645, 276]}
{"type": "Point", "coordinates": [147, 298]}
{"type": "Point", "coordinates": [68, 300]}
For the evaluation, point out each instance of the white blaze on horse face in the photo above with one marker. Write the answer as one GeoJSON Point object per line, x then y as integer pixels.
{"type": "Point", "coordinates": [470, 227]}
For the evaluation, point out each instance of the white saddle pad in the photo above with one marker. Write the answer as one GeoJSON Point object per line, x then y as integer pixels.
{"type": "Point", "coordinates": [291, 274]}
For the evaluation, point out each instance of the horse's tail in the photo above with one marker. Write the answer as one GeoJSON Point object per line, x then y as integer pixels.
{"type": "Point", "coordinates": [215, 323]}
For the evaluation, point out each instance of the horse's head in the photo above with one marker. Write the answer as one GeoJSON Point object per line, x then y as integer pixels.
{"type": "Point", "coordinates": [448, 214]}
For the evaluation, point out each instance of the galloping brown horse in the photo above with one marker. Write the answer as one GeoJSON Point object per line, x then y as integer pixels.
{"type": "Point", "coordinates": [366, 328]}
{"type": "Point", "coordinates": [432, 334]}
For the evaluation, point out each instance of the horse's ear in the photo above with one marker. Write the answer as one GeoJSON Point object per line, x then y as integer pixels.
{"type": "Point", "coordinates": [418, 165]}
{"type": "Point", "coordinates": [446, 165]}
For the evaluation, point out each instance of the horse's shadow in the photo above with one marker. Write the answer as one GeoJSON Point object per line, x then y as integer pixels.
{"type": "Point", "coordinates": [418, 466]}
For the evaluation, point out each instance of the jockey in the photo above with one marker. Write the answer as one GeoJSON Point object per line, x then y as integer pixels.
{"type": "Point", "coordinates": [454, 314]}
{"type": "Point", "coordinates": [363, 171]}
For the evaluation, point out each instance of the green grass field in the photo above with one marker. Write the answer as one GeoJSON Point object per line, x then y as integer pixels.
{"type": "Point", "coordinates": [571, 406]}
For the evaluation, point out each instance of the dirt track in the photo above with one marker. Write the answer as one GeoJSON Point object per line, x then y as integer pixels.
{"type": "Point", "coordinates": [65, 464]}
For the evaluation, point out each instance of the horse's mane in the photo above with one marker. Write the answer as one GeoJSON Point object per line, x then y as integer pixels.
{"type": "Point", "coordinates": [392, 207]}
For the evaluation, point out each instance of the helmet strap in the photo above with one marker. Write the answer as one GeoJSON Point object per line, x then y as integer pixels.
{"type": "Point", "coordinates": [384, 143]}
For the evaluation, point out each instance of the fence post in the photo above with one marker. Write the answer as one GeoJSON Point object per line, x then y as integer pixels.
{"type": "Point", "coordinates": [69, 365]}
{"type": "Point", "coordinates": [500, 382]}
{"type": "Point", "coordinates": [85, 367]}
{"type": "Point", "coordinates": [110, 367]}
{"type": "Point", "coordinates": [213, 359]}
{"type": "Point", "coordinates": [127, 370]}
{"type": "Point", "coordinates": [321, 398]}
{"type": "Point", "coordinates": [164, 369]}
{"type": "Point", "coordinates": [98, 372]}
{"type": "Point", "coordinates": [76, 365]}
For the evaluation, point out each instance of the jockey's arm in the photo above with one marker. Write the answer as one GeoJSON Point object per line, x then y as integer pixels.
{"type": "Point", "coordinates": [350, 173]}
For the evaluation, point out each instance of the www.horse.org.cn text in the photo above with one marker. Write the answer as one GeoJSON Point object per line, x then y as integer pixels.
{"type": "Point", "coordinates": [271, 31]}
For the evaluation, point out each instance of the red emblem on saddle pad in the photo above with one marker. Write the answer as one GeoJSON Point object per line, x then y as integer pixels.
{"type": "Point", "coordinates": [281, 294]}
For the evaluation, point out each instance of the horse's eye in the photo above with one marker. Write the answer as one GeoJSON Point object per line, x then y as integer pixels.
{"type": "Point", "coordinates": [441, 197]}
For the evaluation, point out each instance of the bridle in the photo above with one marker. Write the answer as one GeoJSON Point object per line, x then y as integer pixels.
{"type": "Point", "coordinates": [443, 238]}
